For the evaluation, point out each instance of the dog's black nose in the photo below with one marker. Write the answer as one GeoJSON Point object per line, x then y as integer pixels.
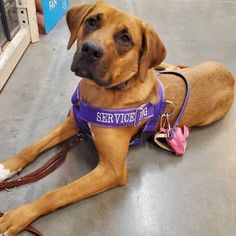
{"type": "Point", "coordinates": [92, 50]}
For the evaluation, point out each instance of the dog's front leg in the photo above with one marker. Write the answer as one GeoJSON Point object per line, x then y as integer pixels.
{"type": "Point", "coordinates": [16, 163]}
{"type": "Point", "coordinates": [110, 172]}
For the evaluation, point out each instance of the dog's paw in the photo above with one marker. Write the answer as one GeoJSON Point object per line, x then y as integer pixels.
{"type": "Point", "coordinates": [16, 220]}
{"type": "Point", "coordinates": [5, 173]}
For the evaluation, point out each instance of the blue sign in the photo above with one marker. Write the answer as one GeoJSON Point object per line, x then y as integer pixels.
{"type": "Point", "coordinates": [53, 11]}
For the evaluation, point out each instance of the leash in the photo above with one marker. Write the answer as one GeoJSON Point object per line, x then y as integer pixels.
{"type": "Point", "coordinates": [50, 166]}
{"type": "Point", "coordinates": [44, 170]}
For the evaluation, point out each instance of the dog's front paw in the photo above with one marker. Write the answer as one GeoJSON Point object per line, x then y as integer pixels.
{"type": "Point", "coordinates": [5, 173]}
{"type": "Point", "coordinates": [14, 221]}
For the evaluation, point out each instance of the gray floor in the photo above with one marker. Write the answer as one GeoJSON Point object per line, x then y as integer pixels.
{"type": "Point", "coordinates": [165, 195]}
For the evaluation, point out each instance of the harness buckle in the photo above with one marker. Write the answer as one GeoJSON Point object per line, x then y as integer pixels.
{"type": "Point", "coordinates": [139, 114]}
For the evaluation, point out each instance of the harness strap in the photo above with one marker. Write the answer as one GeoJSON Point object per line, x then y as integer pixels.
{"type": "Point", "coordinates": [150, 125]}
{"type": "Point", "coordinates": [85, 113]}
{"type": "Point", "coordinates": [83, 126]}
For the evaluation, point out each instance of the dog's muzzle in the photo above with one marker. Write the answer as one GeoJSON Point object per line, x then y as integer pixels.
{"type": "Point", "coordinates": [87, 58]}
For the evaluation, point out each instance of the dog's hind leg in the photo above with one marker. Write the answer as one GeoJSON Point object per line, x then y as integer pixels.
{"type": "Point", "coordinates": [17, 162]}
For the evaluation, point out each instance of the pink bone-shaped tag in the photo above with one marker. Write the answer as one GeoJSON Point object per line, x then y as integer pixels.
{"type": "Point", "coordinates": [178, 142]}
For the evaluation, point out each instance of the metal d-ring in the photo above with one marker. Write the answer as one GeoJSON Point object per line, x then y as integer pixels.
{"type": "Point", "coordinates": [172, 106]}
{"type": "Point", "coordinates": [10, 190]}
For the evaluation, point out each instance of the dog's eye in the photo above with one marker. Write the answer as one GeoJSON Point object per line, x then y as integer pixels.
{"type": "Point", "coordinates": [125, 39]}
{"type": "Point", "coordinates": [91, 22]}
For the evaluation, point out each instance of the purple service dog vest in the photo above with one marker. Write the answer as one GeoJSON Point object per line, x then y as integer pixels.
{"type": "Point", "coordinates": [85, 113]}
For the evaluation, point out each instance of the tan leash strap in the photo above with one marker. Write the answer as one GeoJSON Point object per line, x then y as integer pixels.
{"type": "Point", "coordinates": [157, 139]}
{"type": "Point", "coordinates": [46, 169]}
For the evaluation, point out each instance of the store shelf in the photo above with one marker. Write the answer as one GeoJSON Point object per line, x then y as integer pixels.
{"type": "Point", "coordinates": [16, 15]}
{"type": "Point", "coordinates": [12, 53]}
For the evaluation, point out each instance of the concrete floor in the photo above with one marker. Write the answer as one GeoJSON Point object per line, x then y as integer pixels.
{"type": "Point", "coordinates": [167, 196]}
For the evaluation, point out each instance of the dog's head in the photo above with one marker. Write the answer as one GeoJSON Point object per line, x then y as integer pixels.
{"type": "Point", "coordinates": [112, 46]}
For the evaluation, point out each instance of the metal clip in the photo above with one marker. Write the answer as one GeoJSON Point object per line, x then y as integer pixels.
{"type": "Point", "coordinates": [165, 122]}
{"type": "Point", "coordinates": [80, 137]}
{"type": "Point", "coordinates": [164, 131]}
{"type": "Point", "coordinates": [10, 190]}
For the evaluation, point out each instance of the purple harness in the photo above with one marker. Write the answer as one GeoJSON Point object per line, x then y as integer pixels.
{"type": "Point", "coordinates": [85, 113]}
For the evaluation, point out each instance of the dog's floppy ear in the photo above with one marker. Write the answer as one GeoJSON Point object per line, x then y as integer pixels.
{"type": "Point", "coordinates": [74, 18]}
{"type": "Point", "coordinates": [153, 51]}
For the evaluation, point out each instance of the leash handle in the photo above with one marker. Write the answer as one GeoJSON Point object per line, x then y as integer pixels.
{"type": "Point", "coordinates": [171, 132]}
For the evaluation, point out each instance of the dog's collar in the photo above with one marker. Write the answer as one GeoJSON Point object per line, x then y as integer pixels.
{"type": "Point", "coordinates": [118, 86]}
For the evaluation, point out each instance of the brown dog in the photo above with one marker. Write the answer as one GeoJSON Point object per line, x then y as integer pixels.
{"type": "Point", "coordinates": [113, 47]}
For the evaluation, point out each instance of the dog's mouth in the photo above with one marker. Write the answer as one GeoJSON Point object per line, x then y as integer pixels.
{"type": "Point", "coordinates": [88, 74]}
{"type": "Point", "coordinates": [81, 72]}
{"type": "Point", "coordinates": [92, 71]}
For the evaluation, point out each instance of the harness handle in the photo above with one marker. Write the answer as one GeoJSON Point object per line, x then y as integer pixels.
{"type": "Point", "coordinates": [171, 132]}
